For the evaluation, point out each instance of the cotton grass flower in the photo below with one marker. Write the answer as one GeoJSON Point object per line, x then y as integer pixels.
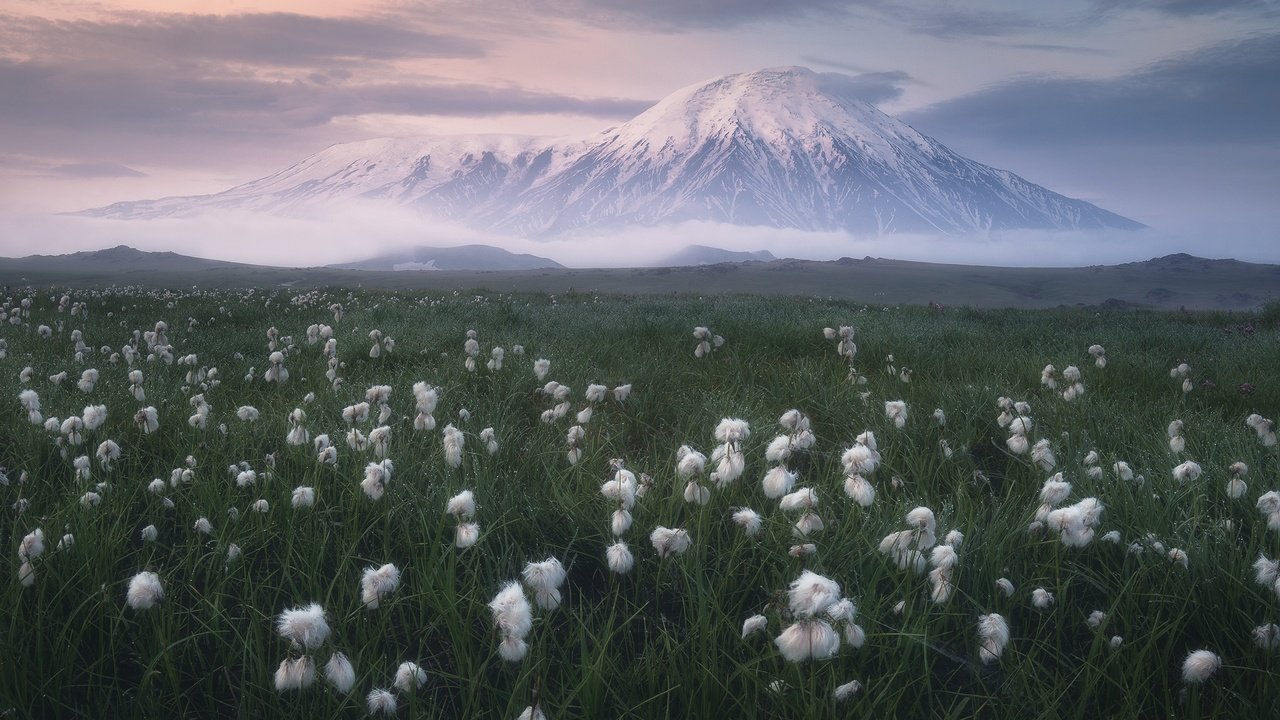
{"type": "Point", "coordinates": [993, 636]}
{"type": "Point", "coordinates": [425, 400]}
{"type": "Point", "coordinates": [544, 579]}
{"type": "Point", "coordinates": [812, 594]}
{"type": "Point", "coordinates": [1187, 472]}
{"type": "Point", "coordinates": [463, 504]}
{"type": "Point", "coordinates": [339, 673]}
{"type": "Point", "coordinates": [802, 499]}
{"type": "Point", "coordinates": [376, 584]}
{"type": "Point", "coordinates": [1048, 377]}
{"type": "Point", "coordinates": [31, 405]}
{"type": "Point", "coordinates": [808, 638]}
{"type": "Point", "coordinates": [465, 535]}
{"type": "Point", "coordinates": [376, 477]}
{"type": "Point", "coordinates": [619, 558]}
{"type": "Point", "coordinates": [203, 526]}
{"type": "Point", "coordinates": [847, 690]}
{"type": "Point", "coordinates": [1264, 428]}
{"type": "Point", "coordinates": [896, 410]}
{"type": "Point", "coordinates": [749, 520]}
{"type": "Point", "coordinates": [1269, 506]}
{"type": "Point", "coordinates": [298, 434]}
{"type": "Point", "coordinates": [696, 494]}
{"type": "Point", "coordinates": [802, 550]}
{"type": "Point", "coordinates": [1236, 486]}
{"type": "Point", "coordinates": [108, 452]}
{"type": "Point", "coordinates": [533, 712]}
{"type": "Point", "coordinates": [573, 441]}
{"type": "Point", "coordinates": [513, 617]}
{"type": "Point", "coordinates": [453, 441]}
{"type": "Point", "coordinates": [1123, 471]}
{"type": "Point", "coordinates": [304, 626]}
{"type": "Point", "coordinates": [277, 372]}
{"type": "Point", "coordinates": [1042, 599]}
{"type": "Point", "coordinates": [944, 559]}
{"type": "Point", "coordinates": [728, 457]}
{"type": "Point", "coordinates": [303, 497]}
{"type": "Point", "coordinates": [295, 674]}
{"type": "Point", "coordinates": [147, 420]}
{"type": "Point", "coordinates": [1005, 586]}
{"type": "Point", "coordinates": [409, 677]}
{"type": "Point", "coordinates": [381, 702]}
{"type": "Point", "coordinates": [1267, 636]}
{"type": "Point", "coordinates": [1199, 666]}
{"type": "Point", "coordinates": [668, 542]}
{"type": "Point", "coordinates": [808, 596]}
{"type": "Point", "coordinates": [144, 591]}
{"type": "Point", "coordinates": [1099, 355]}
{"type": "Point", "coordinates": [860, 460]}
{"type": "Point", "coordinates": [689, 462]}
{"type": "Point", "coordinates": [380, 440]}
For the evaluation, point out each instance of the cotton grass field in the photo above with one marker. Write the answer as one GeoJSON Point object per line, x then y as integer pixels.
{"type": "Point", "coordinates": [339, 503]}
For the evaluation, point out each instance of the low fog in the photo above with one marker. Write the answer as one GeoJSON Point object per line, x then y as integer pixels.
{"type": "Point", "coordinates": [357, 233]}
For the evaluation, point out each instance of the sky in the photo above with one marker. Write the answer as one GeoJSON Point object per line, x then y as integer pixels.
{"type": "Point", "coordinates": [1164, 111]}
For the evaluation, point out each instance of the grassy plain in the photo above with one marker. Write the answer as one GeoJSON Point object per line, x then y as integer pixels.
{"type": "Point", "coordinates": [664, 639]}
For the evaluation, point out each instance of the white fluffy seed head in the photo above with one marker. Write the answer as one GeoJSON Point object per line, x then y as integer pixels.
{"type": "Point", "coordinates": [668, 541]}
{"type": "Point", "coordinates": [305, 626]}
{"type": "Point", "coordinates": [546, 575]}
{"type": "Point", "coordinates": [808, 638]}
{"type": "Point", "coordinates": [295, 674]}
{"type": "Point", "coordinates": [1200, 665]}
{"type": "Point", "coordinates": [145, 591]}
{"type": "Point", "coordinates": [381, 702]}
{"type": "Point", "coordinates": [377, 583]}
{"type": "Point", "coordinates": [747, 519]}
{"type": "Point", "coordinates": [410, 676]}
{"type": "Point", "coordinates": [811, 594]}
{"type": "Point", "coordinates": [466, 535]}
{"type": "Point", "coordinates": [993, 635]}
{"type": "Point", "coordinates": [463, 504]}
{"type": "Point", "coordinates": [513, 616]}
{"type": "Point", "coordinates": [339, 673]}
{"type": "Point", "coordinates": [778, 481]}
{"type": "Point", "coordinates": [619, 557]}
{"type": "Point", "coordinates": [753, 624]}
{"type": "Point", "coordinates": [802, 499]}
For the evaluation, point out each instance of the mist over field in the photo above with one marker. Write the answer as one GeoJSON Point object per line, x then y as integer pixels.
{"type": "Point", "coordinates": [356, 233]}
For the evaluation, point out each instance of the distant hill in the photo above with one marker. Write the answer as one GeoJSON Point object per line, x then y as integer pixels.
{"type": "Point", "coordinates": [1165, 283]}
{"type": "Point", "coordinates": [461, 257]}
{"type": "Point", "coordinates": [120, 260]}
{"type": "Point", "coordinates": [123, 256]}
{"type": "Point", "coordinates": [706, 255]}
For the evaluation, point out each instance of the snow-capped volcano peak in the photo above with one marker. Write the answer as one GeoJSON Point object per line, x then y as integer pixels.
{"type": "Point", "coordinates": [772, 104]}
{"type": "Point", "coordinates": [784, 147]}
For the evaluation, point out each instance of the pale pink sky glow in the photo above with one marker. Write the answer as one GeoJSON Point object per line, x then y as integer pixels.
{"type": "Point", "coordinates": [120, 100]}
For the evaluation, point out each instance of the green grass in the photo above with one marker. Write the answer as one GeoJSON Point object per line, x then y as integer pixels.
{"type": "Point", "coordinates": [663, 640]}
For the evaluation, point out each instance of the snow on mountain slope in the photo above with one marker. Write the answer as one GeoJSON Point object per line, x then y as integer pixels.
{"type": "Point", "coordinates": [782, 147]}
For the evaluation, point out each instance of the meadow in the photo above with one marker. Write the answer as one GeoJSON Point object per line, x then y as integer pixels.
{"type": "Point", "coordinates": [1110, 540]}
